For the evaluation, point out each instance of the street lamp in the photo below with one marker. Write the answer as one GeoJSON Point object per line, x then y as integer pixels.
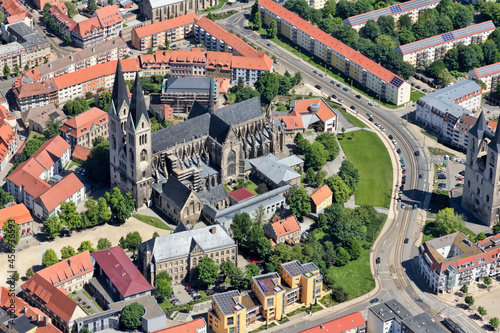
{"type": "Point", "coordinates": [358, 288]}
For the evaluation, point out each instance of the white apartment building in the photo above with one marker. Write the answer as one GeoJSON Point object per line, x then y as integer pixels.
{"type": "Point", "coordinates": [488, 74]}
{"type": "Point", "coordinates": [435, 48]}
{"type": "Point", "coordinates": [411, 8]}
{"type": "Point", "coordinates": [441, 110]}
{"type": "Point", "coordinates": [316, 4]}
{"type": "Point", "coordinates": [448, 262]}
{"type": "Point", "coordinates": [250, 68]}
{"type": "Point", "coordinates": [349, 61]}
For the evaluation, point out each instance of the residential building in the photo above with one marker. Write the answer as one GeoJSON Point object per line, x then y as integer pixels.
{"type": "Point", "coordinates": [181, 92]}
{"type": "Point", "coordinates": [239, 195]}
{"type": "Point", "coordinates": [268, 299]}
{"type": "Point", "coordinates": [21, 215]}
{"type": "Point", "coordinates": [8, 143]}
{"type": "Point", "coordinates": [283, 230]}
{"type": "Point", "coordinates": [38, 182]}
{"type": "Point", "coordinates": [307, 114]}
{"type": "Point", "coordinates": [461, 130]}
{"type": "Point", "coordinates": [317, 4]}
{"type": "Point", "coordinates": [435, 48]}
{"type": "Point", "coordinates": [36, 48]}
{"type": "Point", "coordinates": [488, 74]}
{"type": "Point", "coordinates": [271, 202]}
{"type": "Point", "coordinates": [80, 154]}
{"type": "Point", "coordinates": [198, 325]}
{"type": "Point", "coordinates": [34, 94]}
{"type": "Point", "coordinates": [12, 8]}
{"type": "Point", "coordinates": [351, 323]}
{"type": "Point", "coordinates": [39, 4]}
{"type": "Point", "coordinates": [441, 110]}
{"type": "Point", "coordinates": [275, 172]}
{"type": "Point", "coordinates": [12, 55]}
{"type": "Point", "coordinates": [163, 112]}
{"type": "Point", "coordinates": [87, 33]}
{"type": "Point", "coordinates": [179, 253]}
{"type": "Point", "coordinates": [82, 129]}
{"type": "Point", "coordinates": [320, 199]}
{"type": "Point", "coordinates": [392, 316]}
{"type": "Point", "coordinates": [350, 62]}
{"type": "Point", "coordinates": [39, 123]}
{"type": "Point", "coordinates": [110, 20]}
{"type": "Point", "coordinates": [156, 34]}
{"type": "Point", "coordinates": [60, 15]}
{"type": "Point", "coordinates": [411, 8]}
{"type": "Point", "coordinates": [108, 51]}
{"type": "Point", "coordinates": [448, 262]}
{"type": "Point", "coordinates": [116, 278]}
{"type": "Point", "coordinates": [217, 39]}
{"type": "Point", "coordinates": [162, 10]}
{"type": "Point", "coordinates": [249, 68]}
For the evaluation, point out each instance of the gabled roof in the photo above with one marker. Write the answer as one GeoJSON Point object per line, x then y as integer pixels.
{"type": "Point", "coordinates": [285, 226]}
{"type": "Point", "coordinates": [120, 270]}
{"type": "Point", "coordinates": [339, 325]}
{"type": "Point", "coordinates": [259, 61]}
{"type": "Point", "coordinates": [108, 15]}
{"type": "Point", "coordinates": [479, 127]}
{"type": "Point", "coordinates": [61, 191]}
{"type": "Point", "coordinates": [67, 269]}
{"type": "Point", "coordinates": [241, 194]}
{"type": "Point", "coordinates": [193, 326]}
{"type": "Point", "coordinates": [5, 301]}
{"type": "Point", "coordinates": [325, 111]}
{"type": "Point", "coordinates": [176, 192]}
{"type": "Point", "coordinates": [18, 212]}
{"type": "Point", "coordinates": [88, 27]}
{"type": "Point", "coordinates": [80, 153]}
{"type": "Point", "coordinates": [270, 166]}
{"type": "Point", "coordinates": [82, 124]}
{"type": "Point", "coordinates": [172, 23]}
{"type": "Point", "coordinates": [321, 194]}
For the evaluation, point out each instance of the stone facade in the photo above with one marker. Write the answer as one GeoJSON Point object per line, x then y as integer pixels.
{"type": "Point", "coordinates": [161, 10]}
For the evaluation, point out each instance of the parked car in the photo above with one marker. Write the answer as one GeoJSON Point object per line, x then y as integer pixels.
{"type": "Point", "coordinates": [370, 103]}
{"type": "Point", "coordinates": [197, 297]}
{"type": "Point", "coordinates": [403, 205]}
{"type": "Point", "coordinates": [390, 137]}
{"type": "Point", "coordinates": [418, 87]}
{"type": "Point", "coordinates": [369, 114]}
{"type": "Point", "coordinates": [353, 107]}
{"type": "Point", "coordinates": [345, 89]}
{"type": "Point", "coordinates": [318, 87]}
{"type": "Point", "coordinates": [375, 300]}
{"type": "Point", "coordinates": [315, 71]}
{"type": "Point", "coordinates": [415, 206]}
{"type": "Point", "coordinates": [407, 240]}
{"type": "Point", "coordinates": [398, 151]}
{"type": "Point", "coordinates": [340, 100]}
{"type": "Point", "coordinates": [371, 119]}
{"type": "Point", "coordinates": [184, 311]}
{"type": "Point", "coordinates": [332, 82]}
{"type": "Point", "coordinates": [421, 176]}
{"type": "Point", "coordinates": [358, 96]}
{"type": "Point", "coordinates": [339, 85]}
{"type": "Point", "coordinates": [377, 260]}
{"type": "Point", "coordinates": [175, 302]}
{"type": "Point", "coordinates": [417, 153]}
{"type": "Point", "coordinates": [321, 75]}
{"type": "Point", "coordinates": [209, 292]}
{"type": "Point", "coordinates": [334, 96]}
{"type": "Point", "coordinates": [419, 299]}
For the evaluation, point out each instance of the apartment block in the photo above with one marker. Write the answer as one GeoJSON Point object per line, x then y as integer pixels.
{"type": "Point", "coordinates": [317, 4]}
{"type": "Point", "coordinates": [448, 262]}
{"type": "Point", "coordinates": [461, 129]}
{"type": "Point", "coordinates": [82, 129]}
{"type": "Point", "coordinates": [411, 8]}
{"type": "Point", "coordinates": [155, 34]}
{"type": "Point", "coordinates": [106, 22]}
{"type": "Point", "coordinates": [435, 48]}
{"type": "Point", "coordinates": [490, 75]}
{"type": "Point", "coordinates": [34, 94]}
{"type": "Point", "coordinates": [441, 110]}
{"type": "Point", "coordinates": [8, 142]}
{"type": "Point", "coordinates": [268, 299]}
{"type": "Point", "coordinates": [12, 55]}
{"type": "Point", "coordinates": [36, 48]}
{"type": "Point", "coordinates": [335, 53]}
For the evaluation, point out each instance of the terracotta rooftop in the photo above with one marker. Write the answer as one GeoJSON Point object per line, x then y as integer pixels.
{"type": "Point", "coordinates": [321, 194]}
{"type": "Point", "coordinates": [36, 88]}
{"type": "Point", "coordinates": [68, 269]}
{"type": "Point", "coordinates": [241, 194]}
{"type": "Point", "coordinates": [18, 212]}
{"type": "Point", "coordinates": [325, 111]}
{"type": "Point", "coordinates": [82, 124]}
{"type": "Point", "coordinates": [17, 18]}
{"type": "Point", "coordinates": [259, 61]}
{"type": "Point", "coordinates": [175, 22]}
{"type": "Point", "coordinates": [88, 27]}
{"type": "Point", "coordinates": [81, 153]}
{"type": "Point", "coordinates": [108, 15]}
{"type": "Point", "coordinates": [285, 226]}
{"type": "Point", "coordinates": [61, 191]}
{"type": "Point", "coordinates": [340, 325]}
{"type": "Point", "coordinates": [193, 326]}
{"type": "Point", "coordinates": [6, 298]}
{"type": "Point", "coordinates": [7, 134]}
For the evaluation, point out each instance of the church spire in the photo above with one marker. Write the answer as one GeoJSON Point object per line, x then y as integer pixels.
{"type": "Point", "coordinates": [211, 96]}
{"type": "Point", "coordinates": [137, 104]}
{"type": "Point", "coordinates": [479, 127]}
{"type": "Point", "coordinates": [119, 94]}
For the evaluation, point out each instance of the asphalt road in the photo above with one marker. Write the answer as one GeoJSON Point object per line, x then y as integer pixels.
{"type": "Point", "coordinates": [398, 270]}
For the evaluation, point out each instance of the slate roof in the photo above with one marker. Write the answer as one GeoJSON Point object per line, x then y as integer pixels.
{"type": "Point", "coordinates": [137, 104]}
{"type": "Point", "coordinates": [485, 71]}
{"type": "Point", "coordinates": [189, 84]}
{"type": "Point", "coordinates": [422, 323]}
{"type": "Point", "coordinates": [180, 243]}
{"type": "Point", "coordinates": [23, 324]}
{"type": "Point", "coordinates": [119, 93]}
{"type": "Point", "coordinates": [212, 195]}
{"type": "Point", "coordinates": [176, 192]}
{"type": "Point", "coordinates": [479, 127]}
{"type": "Point", "coordinates": [291, 161]}
{"type": "Point", "coordinates": [202, 123]}
{"type": "Point", "coordinates": [390, 310]}
{"type": "Point", "coordinates": [270, 166]}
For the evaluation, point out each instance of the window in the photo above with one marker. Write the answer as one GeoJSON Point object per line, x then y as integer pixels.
{"type": "Point", "coordinates": [230, 321]}
{"type": "Point", "coordinates": [270, 302]}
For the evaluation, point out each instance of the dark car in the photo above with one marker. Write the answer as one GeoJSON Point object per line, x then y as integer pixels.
{"type": "Point", "coordinates": [425, 90]}
{"type": "Point", "coordinates": [353, 107]}
{"type": "Point", "coordinates": [197, 297]}
{"type": "Point", "coordinates": [391, 137]}
{"type": "Point", "coordinates": [421, 176]}
{"type": "Point", "coordinates": [184, 311]}
{"type": "Point", "coordinates": [375, 300]}
{"type": "Point", "coordinates": [318, 87]}
{"type": "Point", "coordinates": [345, 89]}
{"type": "Point", "coordinates": [339, 85]}
{"type": "Point", "coordinates": [269, 44]}
{"type": "Point", "coordinates": [398, 151]}
{"type": "Point", "coordinates": [334, 96]}
{"type": "Point", "coordinates": [418, 87]}
{"type": "Point", "coordinates": [413, 84]}
{"type": "Point", "coordinates": [403, 181]}
{"type": "Point", "coordinates": [332, 82]}
{"type": "Point", "coordinates": [371, 119]}
{"type": "Point", "coordinates": [377, 260]}
{"type": "Point", "coordinates": [407, 240]}
{"type": "Point", "coordinates": [417, 153]}
{"type": "Point", "coordinates": [358, 96]}
{"type": "Point", "coordinates": [209, 292]}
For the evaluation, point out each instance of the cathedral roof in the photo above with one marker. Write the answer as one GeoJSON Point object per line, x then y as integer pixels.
{"type": "Point", "coordinates": [176, 192]}
{"type": "Point", "coordinates": [495, 142]}
{"type": "Point", "coordinates": [479, 127]}
{"type": "Point", "coordinates": [119, 94]}
{"type": "Point", "coordinates": [137, 104]}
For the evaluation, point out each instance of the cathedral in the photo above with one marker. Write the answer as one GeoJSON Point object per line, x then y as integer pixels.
{"type": "Point", "coordinates": [481, 193]}
{"type": "Point", "coordinates": [206, 150]}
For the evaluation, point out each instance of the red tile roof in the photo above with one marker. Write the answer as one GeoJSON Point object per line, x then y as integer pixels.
{"type": "Point", "coordinates": [321, 194]}
{"type": "Point", "coordinates": [7, 134]}
{"type": "Point", "coordinates": [328, 40]}
{"type": "Point", "coordinates": [292, 121]}
{"type": "Point", "coordinates": [259, 61]}
{"type": "Point", "coordinates": [6, 299]}
{"type": "Point", "coordinates": [175, 22]}
{"type": "Point", "coordinates": [61, 192]}
{"type": "Point", "coordinates": [342, 324]}
{"type": "Point", "coordinates": [192, 326]}
{"type": "Point", "coordinates": [285, 226]}
{"type": "Point", "coordinates": [4, 113]}
{"type": "Point", "coordinates": [51, 297]}
{"type": "Point", "coordinates": [94, 72]}
{"type": "Point", "coordinates": [12, 7]}
{"type": "Point", "coordinates": [32, 185]}
{"type": "Point", "coordinates": [108, 15]}
{"type": "Point", "coordinates": [61, 17]}
{"type": "Point", "coordinates": [68, 269]}
{"type": "Point", "coordinates": [88, 27]}
{"type": "Point", "coordinates": [241, 194]}
{"type": "Point", "coordinates": [19, 213]}
{"type": "Point", "coordinates": [47, 329]}
{"type": "Point", "coordinates": [121, 271]}
{"type": "Point", "coordinates": [221, 60]}
{"type": "Point", "coordinates": [231, 40]}
{"type": "Point", "coordinates": [80, 153]}
{"type": "Point", "coordinates": [82, 123]}
{"type": "Point", "coordinates": [325, 112]}
{"type": "Point", "coordinates": [223, 84]}
{"type": "Point", "coordinates": [17, 18]}
{"type": "Point", "coordinates": [491, 124]}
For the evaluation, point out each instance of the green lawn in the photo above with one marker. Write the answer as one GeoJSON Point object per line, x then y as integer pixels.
{"type": "Point", "coordinates": [430, 232]}
{"type": "Point", "coordinates": [415, 95]}
{"type": "Point", "coordinates": [231, 97]}
{"type": "Point", "coordinates": [352, 119]}
{"type": "Point", "coordinates": [356, 272]}
{"type": "Point", "coordinates": [429, 135]}
{"type": "Point", "coordinates": [36, 135]}
{"type": "Point", "coordinates": [371, 158]}
{"type": "Point", "coordinates": [251, 186]}
{"type": "Point", "coordinates": [218, 6]}
{"type": "Point", "coordinates": [153, 221]}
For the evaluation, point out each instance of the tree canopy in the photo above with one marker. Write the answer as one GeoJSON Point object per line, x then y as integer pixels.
{"type": "Point", "coordinates": [448, 222]}
{"type": "Point", "coordinates": [131, 317]}
{"type": "Point", "coordinates": [207, 270]}
{"type": "Point", "coordinates": [299, 201]}
{"type": "Point", "coordinates": [49, 258]}
{"type": "Point", "coordinates": [97, 164]}
{"type": "Point", "coordinates": [121, 205]}
{"type": "Point", "coordinates": [11, 233]}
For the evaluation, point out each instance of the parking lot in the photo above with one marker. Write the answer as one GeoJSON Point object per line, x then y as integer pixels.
{"type": "Point", "coordinates": [450, 172]}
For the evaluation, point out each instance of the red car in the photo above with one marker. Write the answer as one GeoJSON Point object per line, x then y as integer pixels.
{"type": "Point", "coordinates": [404, 171]}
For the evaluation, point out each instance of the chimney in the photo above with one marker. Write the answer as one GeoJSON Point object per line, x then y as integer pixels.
{"type": "Point", "coordinates": [213, 230]}
{"type": "Point", "coordinates": [71, 57]}
{"type": "Point", "coordinates": [321, 326]}
{"type": "Point", "coordinates": [93, 49]}
{"type": "Point", "coordinates": [69, 262]}
{"type": "Point", "coordinates": [38, 318]}
{"type": "Point", "coordinates": [25, 309]}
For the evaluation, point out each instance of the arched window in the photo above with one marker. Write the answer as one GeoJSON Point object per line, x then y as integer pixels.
{"type": "Point", "coordinates": [491, 173]}
{"type": "Point", "coordinates": [487, 198]}
{"type": "Point", "coordinates": [131, 154]}
{"type": "Point", "coordinates": [191, 205]}
{"type": "Point", "coordinates": [478, 191]}
{"type": "Point", "coordinates": [468, 183]}
{"type": "Point", "coordinates": [231, 163]}
{"type": "Point", "coordinates": [113, 140]}
{"type": "Point", "coordinates": [144, 153]}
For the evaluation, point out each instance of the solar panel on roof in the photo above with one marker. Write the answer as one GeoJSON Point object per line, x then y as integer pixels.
{"type": "Point", "coordinates": [263, 286]}
{"type": "Point", "coordinates": [448, 36]}
{"type": "Point", "coordinates": [396, 81]}
{"type": "Point", "coordinates": [395, 9]}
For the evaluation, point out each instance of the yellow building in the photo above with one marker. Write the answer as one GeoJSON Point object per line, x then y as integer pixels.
{"type": "Point", "coordinates": [320, 199]}
{"type": "Point", "coordinates": [268, 299]}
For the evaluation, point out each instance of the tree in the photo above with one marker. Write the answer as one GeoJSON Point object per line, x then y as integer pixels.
{"type": "Point", "coordinates": [386, 41]}
{"type": "Point", "coordinates": [353, 247]}
{"type": "Point", "coordinates": [86, 245]}
{"type": "Point", "coordinates": [49, 258]}
{"type": "Point", "coordinates": [469, 300]}
{"type": "Point", "coordinates": [76, 106]}
{"type": "Point", "coordinates": [92, 212]}
{"type": "Point", "coordinates": [494, 322]}
{"type": "Point", "coordinates": [341, 191]}
{"type": "Point", "coordinates": [464, 289]}
{"type": "Point", "coordinates": [330, 143]}
{"type": "Point", "coordinates": [451, 59]}
{"type": "Point", "coordinates": [163, 284]}
{"type": "Point", "coordinates": [251, 271]}
{"type": "Point", "coordinates": [267, 85]}
{"type": "Point", "coordinates": [52, 226]}
{"type": "Point", "coordinates": [299, 202]}
{"type": "Point", "coordinates": [52, 128]}
{"type": "Point", "coordinates": [462, 18]}
{"type": "Point", "coordinates": [349, 174]}
{"type": "Point", "coordinates": [259, 214]}
{"type": "Point", "coordinates": [444, 78]}
{"type": "Point", "coordinates": [5, 197]}
{"type": "Point", "coordinates": [91, 6]}
{"type": "Point", "coordinates": [17, 70]}
{"type": "Point", "coordinates": [11, 233]}
{"type": "Point", "coordinates": [320, 178]}
{"type": "Point", "coordinates": [487, 280]}
{"type": "Point", "coordinates": [207, 270]}
{"type": "Point", "coordinates": [406, 36]}
{"type": "Point", "coordinates": [272, 30]}
{"type": "Point", "coordinates": [436, 67]}
{"type": "Point", "coordinates": [15, 276]}
{"type": "Point", "coordinates": [240, 226]}
{"type": "Point", "coordinates": [387, 25]}
{"type": "Point", "coordinates": [496, 228]}
{"type": "Point", "coordinates": [67, 252]}
{"type": "Point", "coordinates": [467, 58]}
{"type": "Point", "coordinates": [262, 188]}
{"type": "Point", "coordinates": [303, 145]}
{"type": "Point", "coordinates": [122, 243]}
{"type": "Point", "coordinates": [345, 229]}
{"type": "Point", "coordinates": [310, 176]}
{"type": "Point", "coordinates": [482, 311]}
{"type": "Point", "coordinates": [2, 17]}
{"type": "Point", "coordinates": [257, 21]}
{"type": "Point", "coordinates": [257, 242]}
{"type": "Point", "coordinates": [404, 22]}
{"type": "Point", "coordinates": [227, 268]}
{"type": "Point", "coordinates": [342, 256]}
{"type": "Point", "coordinates": [444, 24]}
{"type": "Point", "coordinates": [245, 93]}
{"type": "Point", "coordinates": [316, 156]}
{"type": "Point", "coordinates": [29, 273]}
{"type": "Point", "coordinates": [339, 295]}
{"type": "Point", "coordinates": [371, 30]}
{"type": "Point", "coordinates": [67, 39]}
{"type": "Point", "coordinates": [6, 70]}
{"type": "Point", "coordinates": [133, 239]}
{"type": "Point", "coordinates": [156, 234]}
{"type": "Point", "coordinates": [281, 253]}
{"type": "Point", "coordinates": [132, 314]}
{"type": "Point", "coordinates": [27, 67]}
{"type": "Point", "coordinates": [238, 280]}
{"type": "Point", "coordinates": [103, 243]}
{"type": "Point", "coordinates": [121, 205]}
{"type": "Point", "coordinates": [447, 222]}
{"type": "Point", "coordinates": [71, 7]}
{"type": "Point", "coordinates": [104, 213]}
{"type": "Point", "coordinates": [69, 216]}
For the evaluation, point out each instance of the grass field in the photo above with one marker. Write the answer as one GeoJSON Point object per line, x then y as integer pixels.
{"type": "Point", "coordinates": [355, 273]}
{"type": "Point", "coordinates": [36, 135]}
{"type": "Point", "coordinates": [415, 95]}
{"type": "Point", "coordinates": [371, 158]}
{"type": "Point", "coordinates": [430, 232]}
{"type": "Point", "coordinates": [153, 221]}
{"type": "Point", "coordinates": [352, 119]}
